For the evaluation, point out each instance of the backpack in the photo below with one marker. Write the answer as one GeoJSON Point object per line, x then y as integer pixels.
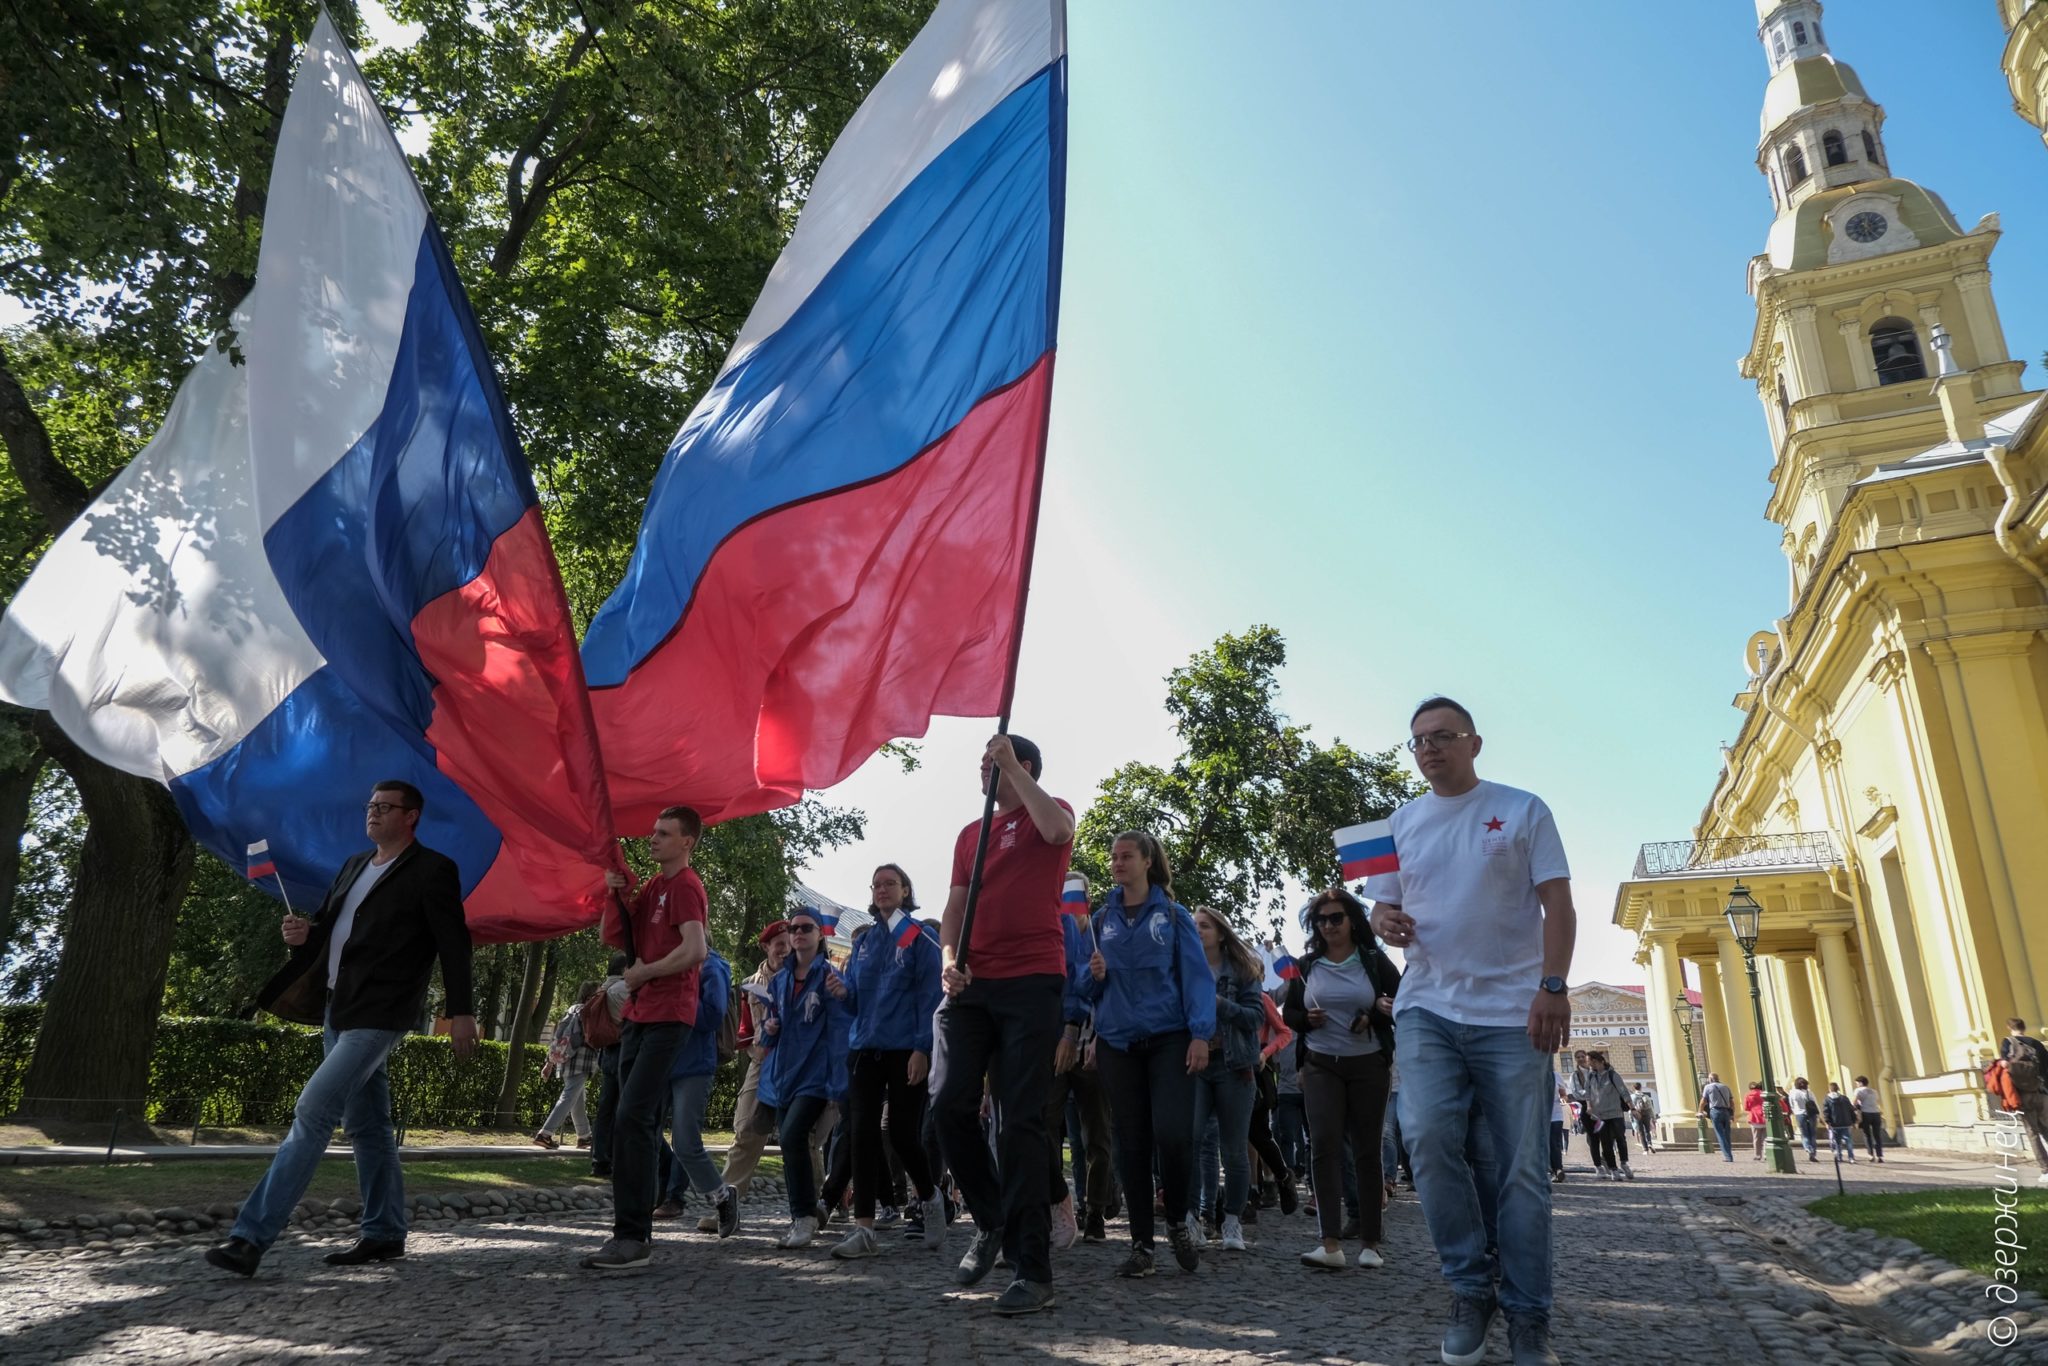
{"type": "Point", "coordinates": [729, 1027]}
{"type": "Point", "coordinates": [600, 1030]}
{"type": "Point", "coordinates": [2023, 1064]}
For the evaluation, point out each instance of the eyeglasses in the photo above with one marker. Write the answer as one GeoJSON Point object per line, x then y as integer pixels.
{"type": "Point", "coordinates": [1436, 739]}
{"type": "Point", "coordinates": [1334, 918]}
{"type": "Point", "coordinates": [379, 808]}
{"type": "Point", "coordinates": [879, 886]}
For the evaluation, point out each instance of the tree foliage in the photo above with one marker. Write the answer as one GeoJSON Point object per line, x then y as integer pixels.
{"type": "Point", "coordinates": [1252, 800]}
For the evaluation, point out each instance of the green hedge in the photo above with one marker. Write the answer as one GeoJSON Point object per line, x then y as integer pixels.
{"type": "Point", "coordinates": [229, 1073]}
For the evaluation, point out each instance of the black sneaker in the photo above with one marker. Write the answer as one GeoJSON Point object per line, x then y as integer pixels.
{"type": "Point", "coordinates": [982, 1252]}
{"type": "Point", "coordinates": [238, 1255]}
{"type": "Point", "coordinates": [913, 1229]}
{"type": "Point", "coordinates": [1138, 1264]}
{"type": "Point", "coordinates": [1093, 1231]}
{"type": "Point", "coordinates": [728, 1211]}
{"type": "Point", "coordinates": [1024, 1297]}
{"type": "Point", "coordinates": [600, 1169]}
{"type": "Point", "coordinates": [1183, 1246]}
{"type": "Point", "coordinates": [1290, 1198]}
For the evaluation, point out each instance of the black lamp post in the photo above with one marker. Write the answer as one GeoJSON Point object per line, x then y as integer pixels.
{"type": "Point", "coordinates": [1683, 1010]}
{"type": "Point", "coordinates": [1745, 921]}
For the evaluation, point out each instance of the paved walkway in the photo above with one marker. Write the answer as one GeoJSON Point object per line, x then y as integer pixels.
{"type": "Point", "coordinates": [1640, 1279]}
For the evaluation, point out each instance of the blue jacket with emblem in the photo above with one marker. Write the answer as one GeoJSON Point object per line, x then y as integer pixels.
{"type": "Point", "coordinates": [698, 1056]}
{"type": "Point", "coordinates": [1074, 1004]}
{"type": "Point", "coordinates": [894, 990]}
{"type": "Point", "coordinates": [1158, 978]}
{"type": "Point", "coordinates": [807, 1053]}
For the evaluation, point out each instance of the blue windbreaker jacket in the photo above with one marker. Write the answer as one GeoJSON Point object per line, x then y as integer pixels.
{"type": "Point", "coordinates": [1145, 954]}
{"type": "Point", "coordinates": [698, 1056]}
{"type": "Point", "coordinates": [807, 1054]}
{"type": "Point", "coordinates": [893, 990]}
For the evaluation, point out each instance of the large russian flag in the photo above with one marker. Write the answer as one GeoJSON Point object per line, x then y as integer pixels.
{"type": "Point", "coordinates": [836, 546]}
{"type": "Point", "coordinates": [328, 568]}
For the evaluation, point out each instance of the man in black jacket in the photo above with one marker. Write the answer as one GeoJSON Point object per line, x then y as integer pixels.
{"type": "Point", "coordinates": [359, 967]}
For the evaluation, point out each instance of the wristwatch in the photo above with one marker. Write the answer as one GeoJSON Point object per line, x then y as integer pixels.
{"type": "Point", "coordinates": [1553, 985]}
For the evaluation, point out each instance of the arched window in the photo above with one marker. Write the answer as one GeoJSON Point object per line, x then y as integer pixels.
{"type": "Point", "coordinates": [1798, 33]}
{"type": "Point", "coordinates": [1870, 149]}
{"type": "Point", "coordinates": [1832, 148]}
{"type": "Point", "coordinates": [1896, 350]}
{"type": "Point", "coordinates": [1795, 166]}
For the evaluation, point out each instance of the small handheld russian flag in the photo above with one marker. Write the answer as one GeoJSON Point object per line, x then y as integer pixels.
{"type": "Point", "coordinates": [260, 862]}
{"type": "Point", "coordinates": [1367, 849]}
{"type": "Point", "coordinates": [1286, 968]}
{"type": "Point", "coordinates": [1074, 899]}
{"type": "Point", "coordinates": [908, 931]}
{"type": "Point", "coordinates": [828, 921]}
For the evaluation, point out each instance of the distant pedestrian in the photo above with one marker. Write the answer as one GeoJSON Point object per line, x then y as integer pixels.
{"type": "Point", "coordinates": [1870, 1118]}
{"type": "Point", "coordinates": [571, 1058]}
{"type": "Point", "coordinates": [2026, 1067]}
{"type": "Point", "coordinates": [1840, 1113]}
{"type": "Point", "coordinates": [1608, 1107]}
{"type": "Point", "coordinates": [1806, 1113]}
{"type": "Point", "coordinates": [1717, 1107]}
{"type": "Point", "coordinates": [1559, 1126]}
{"type": "Point", "coordinates": [1643, 1109]}
{"type": "Point", "coordinates": [1753, 1103]}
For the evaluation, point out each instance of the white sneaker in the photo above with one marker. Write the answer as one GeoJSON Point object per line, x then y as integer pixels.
{"type": "Point", "coordinates": [935, 1222]}
{"type": "Point", "coordinates": [1320, 1256]}
{"type": "Point", "coordinates": [1233, 1234]}
{"type": "Point", "coordinates": [1370, 1257]}
{"type": "Point", "coordinates": [801, 1231]}
{"type": "Point", "coordinates": [860, 1242]}
{"type": "Point", "coordinates": [1066, 1230]}
{"type": "Point", "coordinates": [1628, 1173]}
{"type": "Point", "coordinates": [1195, 1234]}
{"type": "Point", "coordinates": [2042, 1179]}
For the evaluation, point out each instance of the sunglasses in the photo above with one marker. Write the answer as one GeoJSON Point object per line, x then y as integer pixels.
{"type": "Point", "coordinates": [803, 929]}
{"type": "Point", "coordinates": [1333, 918]}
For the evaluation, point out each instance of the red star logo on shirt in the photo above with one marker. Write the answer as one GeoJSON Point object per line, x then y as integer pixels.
{"type": "Point", "coordinates": [1495, 823]}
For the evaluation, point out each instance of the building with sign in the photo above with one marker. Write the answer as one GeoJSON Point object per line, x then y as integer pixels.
{"type": "Point", "coordinates": [1617, 1019]}
{"type": "Point", "coordinates": [1883, 796]}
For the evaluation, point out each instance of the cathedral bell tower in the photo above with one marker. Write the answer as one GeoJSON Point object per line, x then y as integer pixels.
{"type": "Point", "coordinates": [1860, 269]}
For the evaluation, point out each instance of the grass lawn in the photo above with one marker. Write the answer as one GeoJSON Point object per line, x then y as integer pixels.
{"type": "Point", "coordinates": [59, 1192]}
{"type": "Point", "coordinates": [1955, 1224]}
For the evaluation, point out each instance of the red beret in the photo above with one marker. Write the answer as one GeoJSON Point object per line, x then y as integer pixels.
{"type": "Point", "coordinates": [770, 931]}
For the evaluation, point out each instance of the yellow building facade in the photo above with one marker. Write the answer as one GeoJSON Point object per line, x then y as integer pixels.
{"type": "Point", "coordinates": [1886, 796]}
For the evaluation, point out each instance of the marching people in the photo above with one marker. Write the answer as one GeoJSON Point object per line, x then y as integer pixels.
{"type": "Point", "coordinates": [614, 1003]}
{"type": "Point", "coordinates": [359, 969]}
{"type": "Point", "coordinates": [1155, 1010]}
{"type": "Point", "coordinates": [1225, 1090]}
{"type": "Point", "coordinates": [1607, 1109]}
{"type": "Point", "coordinates": [1073, 1079]}
{"type": "Point", "coordinates": [662, 927]}
{"type": "Point", "coordinates": [571, 1058]}
{"type": "Point", "coordinates": [1481, 905]}
{"type": "Point", "coordinates": [1717, 1107]}
{"type": "Point", "coordinates": [1000, 1020]}
{"type": "Point", "coordinates": [1275, 1038]}
{"type": "Point", "coordinates": [689, 1078]}
{"type": "Point", "coordinates": [752, 1123]}
{"type": "Point", "coordinates": [1342, 1009]}
{"type": "Point", "coordinates": [893, 987]}
{"type": "Point", "coordinates": [805, 1033]}
{"type": "Point", "coordinates": [1870, 1117]}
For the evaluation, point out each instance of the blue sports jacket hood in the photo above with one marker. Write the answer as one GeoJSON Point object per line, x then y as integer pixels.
{"type": "Point", "coordinates": [698, 1056]}
{"type": "Point", "coordinates": [894, 991]}
{"type": "Point", "coordinates": [807, 1054]}
{"type": "Point", "coordinates": [1140, 998]}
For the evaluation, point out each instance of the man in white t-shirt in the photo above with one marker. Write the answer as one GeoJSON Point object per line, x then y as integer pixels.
{"type": "Point", "coordinates": [1482, 908]}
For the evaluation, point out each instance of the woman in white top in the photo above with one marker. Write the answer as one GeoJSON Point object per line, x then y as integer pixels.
{"type": "Point", "coordinates": [1342, 1009]}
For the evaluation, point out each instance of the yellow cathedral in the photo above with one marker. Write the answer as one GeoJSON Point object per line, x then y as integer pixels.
{"type": "Point", "coordinates": [1886, 796]}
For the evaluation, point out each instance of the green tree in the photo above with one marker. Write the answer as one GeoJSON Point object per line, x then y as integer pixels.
{"type": "Point", "coordinates": [1252, 800]}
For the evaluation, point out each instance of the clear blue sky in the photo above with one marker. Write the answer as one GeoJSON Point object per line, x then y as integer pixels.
{"type": "Point", "coordinates": [1412, 330]}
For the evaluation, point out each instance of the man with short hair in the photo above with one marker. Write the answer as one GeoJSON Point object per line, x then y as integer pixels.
{"type": "Point", "coordinates": [1001, 1020]}
{"type": "Point", "coordinates": [1481, 905]}
{"type": "Point", "coordinates": [663, 930]}
{"type": "Point", "coordinates": [359, 969]}
{"type": "Point", "coordinates": [1717, 1107]}
{"type": "Point", "coordinates": [1643, 1109]}
{"type": "Point", "coordinates": [2026, 1066]}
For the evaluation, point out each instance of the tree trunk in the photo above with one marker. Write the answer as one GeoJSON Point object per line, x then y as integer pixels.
{"type": "Point", "coordinates": [99, 1019]}
{"type": "Point", "coordinates": [544, 1006]}
{"type": "Point", "coordinates": [523, 1007]}
{"type": "Point", "coordinates": [17, 786]}
{"type": "Point", "coordinates": [490, 989]}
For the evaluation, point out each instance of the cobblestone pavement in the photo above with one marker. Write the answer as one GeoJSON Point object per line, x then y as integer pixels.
{"type": "Point", "coordinates": [1646, 1272]}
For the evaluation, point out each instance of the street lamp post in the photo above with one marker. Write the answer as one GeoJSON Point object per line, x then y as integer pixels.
{"type": "Point", "coordinates": [1745, 921]}
{"type": "Point", "coordinates": [1683, 1010]}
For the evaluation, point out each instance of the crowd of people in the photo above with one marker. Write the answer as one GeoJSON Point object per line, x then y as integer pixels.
{"type": "Point", "coordinates": [928, 1080]}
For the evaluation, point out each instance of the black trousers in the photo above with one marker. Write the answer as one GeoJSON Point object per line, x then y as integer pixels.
{"type": "Point", "coordinates": [607, 1107]}
{"type": "Point", "coordinates": [1086, 1089]}
{"type": "Point", "coordinates": [1261, 1136]}
{"type": "Point", "coordinates": [1152, 1104]}
{"type": "Point", "coordinates": [880, 1078]}
{"type": "Point", "coordinates": [1004, 1029]}
{"type": "Point", "coordinates": [646, 1052]}
{"type": "Point", "coordinates": [1346, 1100]}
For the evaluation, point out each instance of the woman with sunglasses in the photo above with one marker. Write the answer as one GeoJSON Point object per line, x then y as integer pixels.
{"type": "Point", "coordinates": [1155, 1008]}
{"type": "Point", "coordinates": [809, 1016]}
{"type": "Point", "coordinates": [892, 982]}
{"type": "Point", "coordinates": [1224, 1090]}
{"type": "Point", "coordinates": [1342, 1007]}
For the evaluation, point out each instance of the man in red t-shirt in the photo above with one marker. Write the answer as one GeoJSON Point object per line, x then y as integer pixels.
{"type": "Point", "coordinates": [1001, 1019]}
{"type": "Point", "coordinates": [667, 945]}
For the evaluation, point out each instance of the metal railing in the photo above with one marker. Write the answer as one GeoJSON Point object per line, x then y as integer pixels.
{"type": "Point", "coordinates": [1806, 849]}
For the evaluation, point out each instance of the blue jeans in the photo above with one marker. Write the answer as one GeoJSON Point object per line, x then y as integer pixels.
{"type": "Point", "coordinates": [692, 1167]}
{"type": "Point", "coordinates": [1840, 1142]}
{"type": "Point", "coordinates": [1721, 1118]}
{"type": "Point", "coordinates": [1227, 1097]}
{"type": "Point", "coordinates": [350, 1087]}
{"type": "Point", "coordinates": [1391, 1146]}
{"type": "Point", "coordinates": [1447, 1069]}
{"type": "Point", "coordinates": [1808, 1137]}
